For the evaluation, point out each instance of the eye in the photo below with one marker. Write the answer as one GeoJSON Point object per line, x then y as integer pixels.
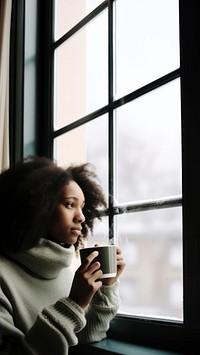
{"type": "Point", "coordinates": [69, 204]}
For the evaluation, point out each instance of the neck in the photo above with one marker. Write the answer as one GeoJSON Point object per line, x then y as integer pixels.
{"type": "Point", "coordinates": [62, 244]}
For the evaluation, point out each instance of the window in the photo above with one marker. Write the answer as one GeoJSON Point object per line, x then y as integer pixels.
{"type": "Point", "coordinates": [110, 76]}
{"type": "Point", "coordinates": [124, 95]}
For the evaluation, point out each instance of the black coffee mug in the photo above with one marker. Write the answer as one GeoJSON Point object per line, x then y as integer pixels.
{"type": "Point", "coordinates": [106, 257]}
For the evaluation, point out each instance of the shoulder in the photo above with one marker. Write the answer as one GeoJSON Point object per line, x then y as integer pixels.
{"type": "Point", "coordinates": [4, 261]}
{"type": "Point", "coordinates": [7, 267]}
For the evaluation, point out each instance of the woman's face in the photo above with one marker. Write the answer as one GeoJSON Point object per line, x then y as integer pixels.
{"type": "Point", "coordinates": [68, 216]}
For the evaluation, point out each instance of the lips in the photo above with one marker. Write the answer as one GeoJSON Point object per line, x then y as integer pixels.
{"type": "Point", "coordinates": [76, 231]}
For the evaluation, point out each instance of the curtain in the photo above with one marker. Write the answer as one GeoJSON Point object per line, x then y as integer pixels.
{"type": "Point", "coordinates": [5, 24]}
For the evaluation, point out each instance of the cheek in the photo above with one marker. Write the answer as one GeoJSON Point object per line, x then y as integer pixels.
{"type": "Point", "coordinates": [61, 217]}
{"type": "Point", "coordinates": [59, 225]}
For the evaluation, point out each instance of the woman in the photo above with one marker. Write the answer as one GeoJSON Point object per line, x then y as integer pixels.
{"type": "Point", "coordinates": [46, 213]}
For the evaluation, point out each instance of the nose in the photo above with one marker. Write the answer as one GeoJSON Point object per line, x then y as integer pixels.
{"type": "Point", "coordinates": [79, 217]}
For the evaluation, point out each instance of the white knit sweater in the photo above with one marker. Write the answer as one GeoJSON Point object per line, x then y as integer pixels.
{"type": "Point", "coordinates": [36, 315]}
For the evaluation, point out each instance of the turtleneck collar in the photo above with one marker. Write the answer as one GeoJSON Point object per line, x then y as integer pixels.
{"type": "Point", "coordinates": [45, 260]}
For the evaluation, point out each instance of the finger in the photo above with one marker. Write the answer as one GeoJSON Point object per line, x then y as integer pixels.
{"type": "Point", "coordinates": [120, 262]}
{"type": "Point", "coordinates": [96, 276]}
{"type": "Point", "coordinates": [93, 267]}
{"type": "Point", "coordinates": [93, 277]}
{"type": "Point", "coordinates": [118, 251]}
{"type": "Point", "coordinates": [89, 259]}
{"type": "Point", "coordinates": [119, 257]}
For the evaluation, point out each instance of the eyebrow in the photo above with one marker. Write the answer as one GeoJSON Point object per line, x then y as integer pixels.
{"type": "Point", "coordinates": [73, 197]}
{"type": "Point", "coordinates": [67, 197]}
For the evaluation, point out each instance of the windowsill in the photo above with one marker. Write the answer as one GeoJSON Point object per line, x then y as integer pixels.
{"type": "Point", "coordinates": [112, 346]}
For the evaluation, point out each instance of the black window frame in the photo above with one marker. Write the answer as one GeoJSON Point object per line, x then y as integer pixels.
{"type": "Point", "coordinates": [166, 334]}
{"type": "Point", "coordinates": [113, 104]}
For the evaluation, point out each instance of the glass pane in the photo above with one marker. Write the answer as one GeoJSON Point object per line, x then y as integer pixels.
{"type": "Point", "coordinates": [149, 145]}
{"type": "Point", "coordinates": [152, 282]}
{"type": "Point", "coordinates": [85, 144]}
{"type": "Point", "coordinates": [147, 42]}
{"type": "Point", "coordinates": [30, 74]}
{"type": "Point", "coordinates": [81, 73]}
{"type": "Point", "coordinates": [69, 12]}
{"type": "Point", "coordinates": [100, 233]}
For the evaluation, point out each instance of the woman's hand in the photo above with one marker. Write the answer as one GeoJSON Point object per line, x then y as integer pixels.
{"type": "Point", "coordinates": [120, 268]}
{"type": "Point", "coordinates": [86, 281]}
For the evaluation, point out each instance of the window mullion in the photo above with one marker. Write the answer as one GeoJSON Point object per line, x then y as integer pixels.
{"type": "Point", "coordinates": [110, 122]}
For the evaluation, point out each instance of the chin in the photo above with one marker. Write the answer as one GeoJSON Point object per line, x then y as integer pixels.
{"type": "Point", "coordinates": [71, 241]}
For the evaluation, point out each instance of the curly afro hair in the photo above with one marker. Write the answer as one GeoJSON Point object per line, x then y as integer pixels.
{"type": "Point", "coordinates": [29, 192]}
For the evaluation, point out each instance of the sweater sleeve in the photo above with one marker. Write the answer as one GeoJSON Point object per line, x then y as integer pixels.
{"type": "Point", "coordinates": [99, 314]}
{"type": "Point", "coordinates": [53, 332]}
{"type": "Point", "coordinates": [58, 326]}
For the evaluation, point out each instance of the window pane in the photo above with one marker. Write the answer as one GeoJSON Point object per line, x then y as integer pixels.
{"type": "Point", "coordinates": [85, 144]}
{"type": "Point", "coordinates": [81, 73]}
{"type": "Point", "coordinates": [149, 145]}
{"type": "Point", "coordinates": [69, 12]}
{"type": "Point", "coordinates": [100, 233]}
{"type": "Point", "coordinates": [151, 284]}
{"type": "Point", "coordinates": [70, 147]}
{"type": "Point", "coordinates": [147, 42]}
